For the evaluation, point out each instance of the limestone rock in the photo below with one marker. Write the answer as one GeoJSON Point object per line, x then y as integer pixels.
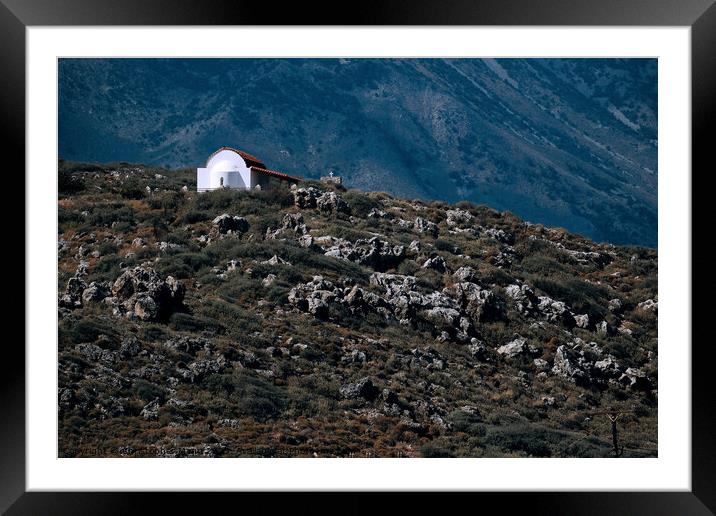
{"type": "Point", "coordinates": [227, 224]}
{"type": "Point", "coordinates": [144, 293]}
{"type": "Point", "coordinates": [422, 225]}
{"type": "Point", "coordinates": [331, 202]}
{"type": "Point", "coordinates": [363, 388]}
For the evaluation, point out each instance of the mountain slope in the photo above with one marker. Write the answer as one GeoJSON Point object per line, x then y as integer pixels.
{"type": "Point", "coordinates": [324, 322]}
{"type": "Point", "coordinates": [570, 143]}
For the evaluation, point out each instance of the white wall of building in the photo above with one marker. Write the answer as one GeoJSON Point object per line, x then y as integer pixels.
{"type": "Point", "coordinates": [202, 179]}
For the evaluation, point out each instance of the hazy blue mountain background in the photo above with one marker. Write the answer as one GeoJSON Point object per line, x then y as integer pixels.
{"type": "Point", "coordinates": [564, 142]}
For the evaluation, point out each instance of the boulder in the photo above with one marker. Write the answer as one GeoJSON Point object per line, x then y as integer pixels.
{"type": "Point", "coordinates": [556, 312]}
{"type": "Point", "coordinates": [478, 350]}
{"type": "Point", "coordinates": [291, 224]}
{"type": "Point", "coordinates": [528, 303]}
{"type": "Point", "coordinates": [567, 365]}
{"type": "Point", "coordinates": [393, 283]}
{"type": "Point", "coordinates": [590, 352]}
{"type": "Point", "coordinates": [144, 293]}
{"type": "Point", "coordinates": [150, 411]}
{"type": "Point", "coordinates": [330, 202]}
{"type": "Point", "coordinates": [505, 257]}
{"type": "Point", "coordinates": [363, 388]}
{"type": "Point", "coordinates": [306, 241]}
{"type": "Point", "coordinates": [356, 356]}
{"type": "Point", "coordinates": [442, 317]}
{"type": "Point", "coordinates": [227, 224]}
{"type": "Point", "coordinates": [480, 304]}
{"type": "Point", "coordinates": [650, 305]}
{"type": "Point", "coordinates": [603, 328]}
{"type": "Point", "coordinates": [422, 225]}
{"type": "Point", "coordinates": [202, 368]}
{"type": "Point", "coordinates": [608, 367]}
{"type": "Point", "coordinates": [585, 257]}
{"type": "Point", "coordinates": [500, 235]}
{"type": "Point", "coordinates": [541, 364]}
{"type": "Point", "coordinates": [96, 354]}
{"type": "Point", "coordinates": [188, 344]}
{"type": "Point", "coordinates": [374, 252]}
{"type": "Point", "coordinates": [305, 197]}
{"type": "Point", "coordinates": [465, 273]}
{"type": "Point", "coordinates": [145, 308]}
{"type": "Point", "coordinates": [458, 217]}
{"type": "Point", "coordinates": [625, 328]}
{"type": "Point", "coordinates": [72, 298]}
{"type": "Point", "coordinates": [615, 305]}
{"type": "Point", "coordinates": [635, 379]}
{"type": "Point", "coordinates": [582, 321]}
{"type": "Point", "coordinates": [515, 348]}
{"type": "Point", "coordinates": [229, 423]}
{"type": "Point", "coordinates": [389, 397]}
{"type": "Point", "coordinates": [375, 213]}
{"type": "Point", "coordinates": [427, 358]}
{"type": "Point", "coordinates": [166, 247]}
{"type": "Point", "coordinates": [437, 263]}
{"type": "Point", "coordinates": [111, 407]}
{"type": "Point", "coordinates": [66, 398]}
{"type": "Point", "coordinates": [314, 297]}
{"type": "Point", "coordinates": [359, 299]}
{"type": "Point", "coordinates": [414, 247]}
{"type": "Point", "coordinates": [294, 222]}
{"type": "Point", "coordinates": [548, 401]}
{"type": "Point", "coordinates": [275, 260]}
{"type": "Point", "coordinates": [526, 300]}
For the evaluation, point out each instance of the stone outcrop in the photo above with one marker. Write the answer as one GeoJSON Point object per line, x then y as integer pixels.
{"type": "Point", "coordinates": [314, 297]}
{"type": "Point", "coordinates": [500, 235]}
{"type": "Point", "coordinates": [587, 364]}
{"type": "Point", "coordinates": [479, 303]}
{"type": "Point", "coordinates": [292, 225]}
{"type": "Point", "coordinates": [568, 364]}
{"type": "Point", "coordinates": [544, 307]}
{"type": "Point", "coordinates": [142, 293]}
{"type": "Point", "coordinates": [458, 217]}
{"type": "Point", "coordinates": [517, 347]}
{"type": "Point", "coordinates": [422, 225]}
{"type": "Point", "coordinates": [72, 297]}
{"type": "Point", "coordinates": [436, 263]}
{"type": "Point", "coordinates": [305, 197]}
{"type": "Point", "coordinates": [331, 202]}
{"type": "Point", "coordinates": [227, 224]}
{"type": "Point", "coordinates": [374, 252]}
{"type": "Point", "coordinates": [453, 310]}
{"type": "Point", "coordinates": [649, 305]}
{"type": "Point", "coordinates": [465, 273]}
{"type": "Point", "coordinates": [363, 388]}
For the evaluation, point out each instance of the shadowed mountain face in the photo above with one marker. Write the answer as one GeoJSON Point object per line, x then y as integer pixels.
{"type": "Point", "coordinates": [565, 142]}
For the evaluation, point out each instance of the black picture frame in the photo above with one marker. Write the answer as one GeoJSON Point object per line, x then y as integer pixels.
{"type": "Point", "coordinates": [700, 15]}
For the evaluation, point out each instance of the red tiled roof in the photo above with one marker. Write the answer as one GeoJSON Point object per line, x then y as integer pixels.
{"type": "Point", "coordinates": [251, 161]}
{"type": "Point", "coordinates": [275, 173]}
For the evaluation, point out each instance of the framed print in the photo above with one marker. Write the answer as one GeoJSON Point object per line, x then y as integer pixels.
{"type": "Point", "coordinates": [415, 250]}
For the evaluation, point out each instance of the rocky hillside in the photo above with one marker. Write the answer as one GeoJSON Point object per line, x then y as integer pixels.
{"type": "Point", "coordinates": [565, 142]}
{"type": "Point", "coordinates": [324, 322]}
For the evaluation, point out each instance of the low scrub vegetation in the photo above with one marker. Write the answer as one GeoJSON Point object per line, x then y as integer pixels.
{"type": "Point", "coordinates": [395, 328]}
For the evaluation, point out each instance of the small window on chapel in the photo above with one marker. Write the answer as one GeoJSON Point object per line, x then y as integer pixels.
{"type": "Point", "coordinates": [221, 181]}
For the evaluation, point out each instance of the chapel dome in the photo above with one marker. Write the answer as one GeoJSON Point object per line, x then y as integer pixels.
{"type": "Point", "coordinates": [225, 165]}
{"type": "Point", "coordinates": [234, 155]}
